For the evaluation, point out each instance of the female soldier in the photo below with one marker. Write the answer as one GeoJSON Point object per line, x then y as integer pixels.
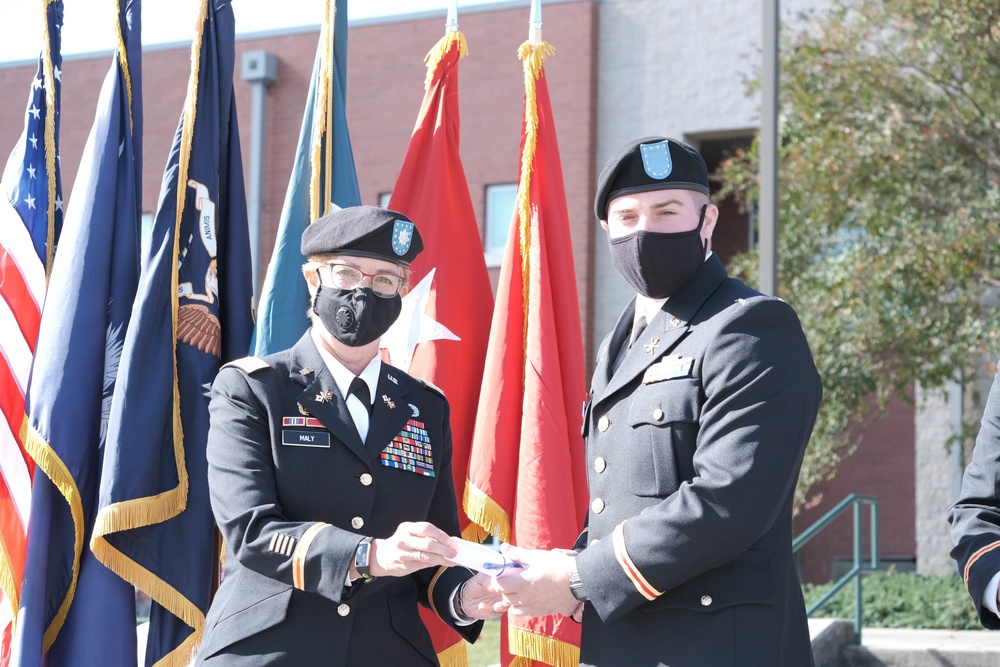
{"type": "Point", "coordinates": [330, 477]}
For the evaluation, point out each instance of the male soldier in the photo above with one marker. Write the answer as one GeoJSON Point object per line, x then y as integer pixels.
{"type": "Point", "coordinates": [701, 406]}
{"type": "Point", "coordinates": [975, 518]}
{"type": "Point", "coordinates": [330, 477]}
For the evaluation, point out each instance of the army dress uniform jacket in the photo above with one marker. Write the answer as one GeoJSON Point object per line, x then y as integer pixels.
{"type": "Point", "coordinates": [975, 517]}
{"type": "Point", "coordinates": [294, 490]}
{"type": "Point", "coordinates": [694, 446]}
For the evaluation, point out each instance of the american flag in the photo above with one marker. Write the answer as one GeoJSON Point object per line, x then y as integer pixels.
{"type": "Point", "coordinates": [30, 220]}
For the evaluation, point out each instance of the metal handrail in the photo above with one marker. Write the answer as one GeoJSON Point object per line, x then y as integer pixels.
{"type": "Point", "coordinates": [854, 501]}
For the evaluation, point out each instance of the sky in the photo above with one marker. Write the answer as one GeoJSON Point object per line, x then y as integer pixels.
{"type": "Point", "coordinates": [88, 25]}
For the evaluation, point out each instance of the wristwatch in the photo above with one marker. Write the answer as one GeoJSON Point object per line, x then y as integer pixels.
{"type": "Point", "coordinates": [576, 585]}
{"type": "Point", "coordinates": [361, 559]}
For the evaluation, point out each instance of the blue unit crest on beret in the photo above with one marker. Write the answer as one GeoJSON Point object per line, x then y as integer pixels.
{"type": "Point", "coordinates": [656, 159]}
{"type": "Point", "coordinates": [402, 237]}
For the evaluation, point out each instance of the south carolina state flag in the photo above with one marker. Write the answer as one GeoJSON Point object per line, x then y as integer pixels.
{"type": "Point", "coordinates": [527, 482]}
{"type": "Point", "coordinates": [74, 611]}
{"type": "Point", "coordinates": [30, 220]}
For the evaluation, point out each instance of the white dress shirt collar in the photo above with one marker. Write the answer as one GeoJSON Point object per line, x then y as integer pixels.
{"type": "Point", "coordinates": [342, 376]}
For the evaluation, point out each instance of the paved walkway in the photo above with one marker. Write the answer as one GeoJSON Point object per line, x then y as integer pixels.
{"type": "Point", "coordinates": [898, 639]}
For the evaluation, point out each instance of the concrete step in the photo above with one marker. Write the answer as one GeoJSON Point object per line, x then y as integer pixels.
{"type": "Point", "coordinates": [833, 647]}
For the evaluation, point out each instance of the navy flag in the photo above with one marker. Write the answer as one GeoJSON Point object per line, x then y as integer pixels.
{"type": "Point", "coordinates": [193, 313]}
{"type": "Point", "coordinates": [73, 610]}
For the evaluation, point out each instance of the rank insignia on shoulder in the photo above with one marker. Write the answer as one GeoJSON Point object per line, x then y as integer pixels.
{"type": "Point", "coordinates": [669, 368]}
{"type": "Point", "coordinates": [410, 450]}
{"type": "Point", "coordinates": [432, 387]}
{"type": "Point", "coordinates": [248, 364]}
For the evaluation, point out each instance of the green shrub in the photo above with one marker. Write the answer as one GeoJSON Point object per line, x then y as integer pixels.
{"type": "Point", "coordinates": [902, 600]}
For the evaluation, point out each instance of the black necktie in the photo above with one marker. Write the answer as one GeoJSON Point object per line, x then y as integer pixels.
{"type": "Point", "coordinates": [360, 389]}
{"type": "Point", "coordinates": [637, 328]}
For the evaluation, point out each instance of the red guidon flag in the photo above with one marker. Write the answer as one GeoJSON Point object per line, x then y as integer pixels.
{"type": "Point", "coordinates": [527, 482]}
{"type": "Point", "coordinates": [441, 334]}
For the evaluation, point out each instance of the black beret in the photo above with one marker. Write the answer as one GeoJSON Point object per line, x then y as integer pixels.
{"type": "Point", "coordinates": [650, 163]}
{"type": "Point", "coordinates": [364, 231]}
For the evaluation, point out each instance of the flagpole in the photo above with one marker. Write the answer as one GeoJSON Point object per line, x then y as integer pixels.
{"type": "Point", "coordinates": [535, 23]}
{"type": "Point", "coordinates": [451, 25]}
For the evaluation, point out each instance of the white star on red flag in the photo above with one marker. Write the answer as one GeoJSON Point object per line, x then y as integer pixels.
{"type": "Point", "coordinates": [414, 326]}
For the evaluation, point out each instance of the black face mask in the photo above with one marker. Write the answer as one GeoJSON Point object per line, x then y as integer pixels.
{"type": "Point", "coordinates": [657, 264]}
{"type": "Point", "coordinates": [355, 317]}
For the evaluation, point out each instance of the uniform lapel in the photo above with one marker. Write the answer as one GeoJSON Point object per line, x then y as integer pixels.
{"type": "Point", "coordinates": [390, 411]}
{"type": "Point", "coordinates": [603, 368]}
{"type": "Point", "coordinates": [320, 396]}
{"type": "Point", "coordinates": [660, 336]}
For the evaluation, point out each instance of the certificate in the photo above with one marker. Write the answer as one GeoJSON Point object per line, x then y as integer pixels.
{"type": "Point", "coordinates": [482, 558]}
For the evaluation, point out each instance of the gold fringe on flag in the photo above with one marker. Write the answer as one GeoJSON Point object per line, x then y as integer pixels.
{"type": "Point", "coordinates": [528, 646]}
{"type": "Point", "coordinates": [50, 137]}
{"type": "Point", "coordinates": [434, 56]}
{"type": "Point", "coordinates": [140, 512]}
{"type": "Point", "coordinates": [455, 655]}
{"type": "Point", "coordinates": [533, 57]}
{"type": "Point", "coordinates": [123, 61]}
{"type": "Point", "coordinates": [9, 583]}
{"type": "Point", "coordinates": [48, 460]}
{"type": "Point", "coordinates": [485, 514]}
{"type": "Point", "coordinates": [319, 193]}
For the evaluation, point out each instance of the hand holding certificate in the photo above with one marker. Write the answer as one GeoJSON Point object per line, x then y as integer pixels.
{"type": "Point", "coordinates": [482, 558]}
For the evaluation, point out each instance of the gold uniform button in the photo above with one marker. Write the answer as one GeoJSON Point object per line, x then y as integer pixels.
{"type": "Point", "coordinates": [600, 464]}
{"type": "Point", "coordinates": [597, 506]}
{"type": "Point", "coordinates": [658, 414]}
{"type": "Point", "coordinates": [366, 480]}
{"type": "Point", "coordinates": [706, 600]}
{"type": "Point", "coordinates": [357, 523]}
{"type": "Point", "coordinates": [603, 424]}
{"type": "Point", "coordinates": [344, 610]}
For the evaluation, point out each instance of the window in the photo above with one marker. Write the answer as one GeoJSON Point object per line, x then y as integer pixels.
{"type": "Point", "coordinates": [500, 199]}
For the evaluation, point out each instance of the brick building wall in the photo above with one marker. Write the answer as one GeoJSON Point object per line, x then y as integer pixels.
{"type": "Point", "coordinates": [883, 467]}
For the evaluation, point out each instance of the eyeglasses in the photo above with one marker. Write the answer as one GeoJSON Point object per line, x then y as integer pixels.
{"type": "Point", "coordinates": [344, 276]}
